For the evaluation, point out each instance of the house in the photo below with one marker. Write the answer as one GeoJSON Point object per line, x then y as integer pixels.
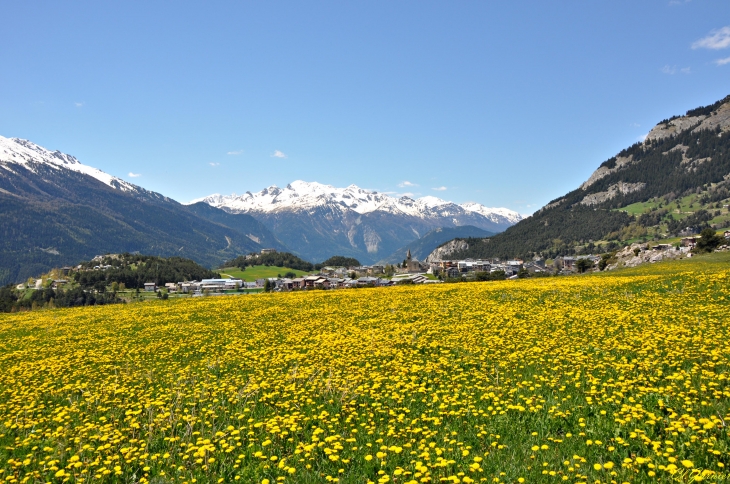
{"type": "Point", "coordinates": [233, 284]}
{"type": "Point", "coordinates": [535, 268]}
{"type": "Point", "coordinates": [367, 281]}
{"type": "Point", "coordinates": [727, 234]}
{"type": "Point", "coordinates": [188, 287]}
{"type": "Point", "coordinates": [482, 266]}
{"type": "Point", "coordinates": [569, 263]}
{"type": "Point", "coordinates": [318, 282]}
{"type": "Point", "coordinates": [284, 284]}
{"type": "Point", "coordinates": [150, 286]}
{"type": "Point", "coordinates": [322, 283]}
{"type": "Point", "coordinates": [514, 266]}
{"type": "Point", "coordinates": [58, 283]}
{"type": "Point", "coordinates": [65, 270]}
{"type": "Point", "coordinates": [336, 282]}
{"type": "Point", "coordinates": [171, 287]}
{"type": "Point", "coordinates": [689, 241]}
{"type": "Point", "coordinates": [465, 266]}
{"type": "Point", "coordinates": [298, 283]}
{"type": "Point", "coordinates": [452, 272]}
{"type": "Point", "coordinates": [349, 283]}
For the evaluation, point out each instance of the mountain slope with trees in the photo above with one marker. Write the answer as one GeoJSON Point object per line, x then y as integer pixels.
{"type": "Point", "coordinates": [681, 156]}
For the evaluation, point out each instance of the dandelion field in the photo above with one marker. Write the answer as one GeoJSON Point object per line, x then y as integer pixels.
{"type": "Point", "coordinates": [599, 378]}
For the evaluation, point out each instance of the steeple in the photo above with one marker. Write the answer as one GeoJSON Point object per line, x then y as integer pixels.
{"type": "Point", "coordinates": [408, 256]}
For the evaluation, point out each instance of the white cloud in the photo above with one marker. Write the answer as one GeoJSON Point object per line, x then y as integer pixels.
{"type": "Point", "coordinates": [439, 189]}
{"type": "Point", "coordinates": [213, 164]}
{"type": "Point", "coordinates": [717, 39]}
{"type": "Point", "coordinates": [78, 104]}
{"type": "Point", "coordinates": [671, 70]}
{"type": "Point", "coordinates": [237, 152]}
{"type": "Point", "coordinates": [278, 154]}
{"type": "Point", "coordinates": [407, 184]}
{"type": "Point", "coordinates": [722, 62]}
{"type": "Point", "coordinates": [134, 175]}
{"type": "Point", "coordinates": [642, 138]}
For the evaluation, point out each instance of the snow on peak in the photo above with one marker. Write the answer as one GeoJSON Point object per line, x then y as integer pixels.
{"type": "Point", "coordinates": [302, 195]}
{"type": "Point", "coordinates": [492, 213]}
{"type": "Point", "coordinates": [28, 154]}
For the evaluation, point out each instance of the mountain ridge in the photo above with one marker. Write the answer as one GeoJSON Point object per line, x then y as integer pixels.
{"type": "Point", "coordinates": [302, 195]}
{"type": "Point", "coordinates": [317, 220]}
{"type": "Point", "coordinates": [680, 156]}
{"type": "Point", "coordinates": [55, 211]}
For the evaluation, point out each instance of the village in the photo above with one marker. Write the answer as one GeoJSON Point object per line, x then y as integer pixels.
{"type": "Point", "coordinates": [412, 271]}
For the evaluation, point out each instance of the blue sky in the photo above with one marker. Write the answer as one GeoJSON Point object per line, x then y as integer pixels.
{"type": "Point", "coordinates": [504, 103]}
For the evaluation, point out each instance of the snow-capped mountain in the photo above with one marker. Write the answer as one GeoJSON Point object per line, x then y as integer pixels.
{"type": "Point", "coordinates": [318, 221]}
{"type": "Point", "coordinates": [56, 211]}
{"type": "Point", "coordinates": [301, 195]}
{"type": "Point", "coordinates": [16, 151]}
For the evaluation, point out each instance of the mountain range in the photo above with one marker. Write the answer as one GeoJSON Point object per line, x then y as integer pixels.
{"type": "Point", "coordinates": [319, 220]}
{"type": "Point", "coordinates": [681, 157]}
{"type": "Point", "coordinates": [56, 211]}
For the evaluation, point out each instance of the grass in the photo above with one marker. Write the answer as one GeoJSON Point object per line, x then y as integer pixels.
{"type": "Point", "coordinates": [258, 272]}
{"type": "Point", "coordinates": [697, 263]}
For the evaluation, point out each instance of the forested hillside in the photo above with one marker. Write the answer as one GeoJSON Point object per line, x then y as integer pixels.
{"type": "Point", "coordinates": [134, 271]}
{"type": "Point", "coordinates": [682, 156]}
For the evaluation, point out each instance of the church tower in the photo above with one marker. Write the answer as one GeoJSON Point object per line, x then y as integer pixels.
{"type": "Point", "coordinates": [412, 265]}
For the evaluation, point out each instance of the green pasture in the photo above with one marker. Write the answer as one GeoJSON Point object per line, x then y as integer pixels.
{"type": "Point", "coordinates": [258, 272]}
